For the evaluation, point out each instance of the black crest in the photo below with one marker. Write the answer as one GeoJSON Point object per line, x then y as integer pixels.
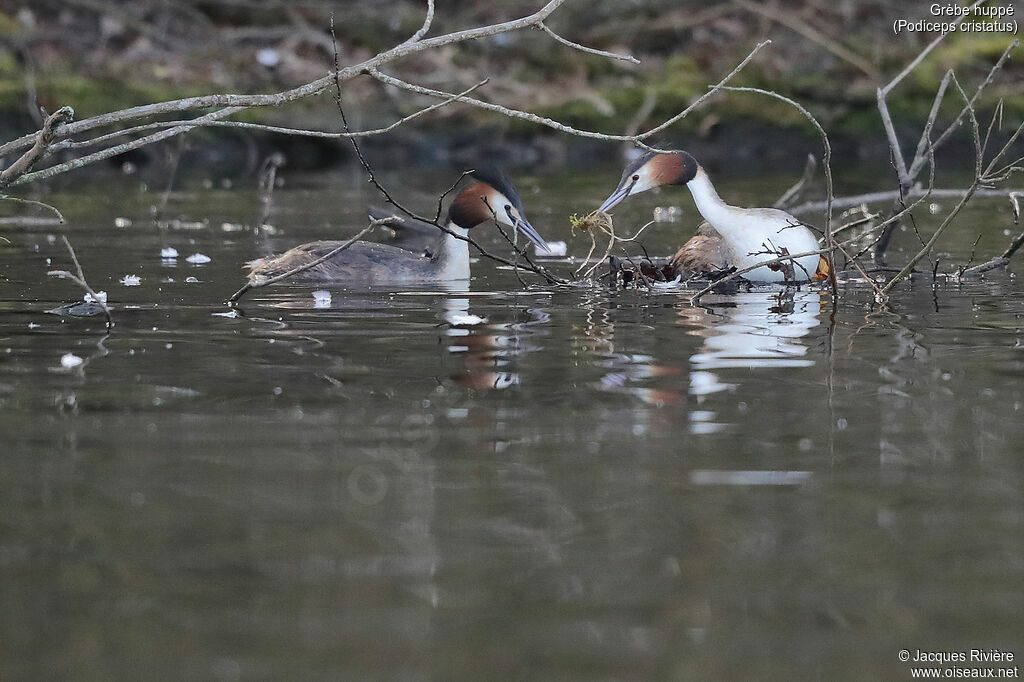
{"type": "Point", "coordinates": [493, 176]}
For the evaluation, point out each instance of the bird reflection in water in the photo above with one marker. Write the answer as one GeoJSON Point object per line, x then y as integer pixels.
{"type": "Point", "coordinates": [487, 349]}
{"type": "Point", "coordinates": [741, 331]}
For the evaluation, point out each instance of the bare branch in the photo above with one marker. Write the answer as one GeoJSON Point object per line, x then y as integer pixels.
{"type": "Point", "coordinates": [43, 140]}
{"type": "Point", "coordinates": [561, 127]}
{"type": "Point", "coordinates": [236, 103]}
{"type": "Point", "coordinates": [926, 249]}
{"type": "Point", "coordinates": [121, 148]}
{"type": "Point", "coordinates": [977, 93]}
{"type": "Point", "coordinates": [299, 132]}
{"type": "Point", "coordinates": [712, 90]}
{"type": "Point", "coordinates": [890, 195]}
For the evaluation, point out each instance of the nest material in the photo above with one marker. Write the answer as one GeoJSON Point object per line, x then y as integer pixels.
{"type": "Point", "coordinates": [593, 224]}
{"type": "Point", "coordinates": [597, 221]}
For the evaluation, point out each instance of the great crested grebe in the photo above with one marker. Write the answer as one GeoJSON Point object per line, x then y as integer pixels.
{"type": "Point", "coordinates": [733, 236]}
{"type": "Point", "coordinates": [491, 195]}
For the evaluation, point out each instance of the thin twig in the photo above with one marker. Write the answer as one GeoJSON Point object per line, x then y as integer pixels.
{"type": "Point", "coordinates": [561, 127]}
{"type": "Point", "coordinates": [791, 194]}
{"type": "Point", "coordinates": [588, 50]}
{"type": "Point", "coordinates": [978, 179]}
{"type": "Point", "coordinates": [789, 257]}
{"type": "Point", "coordinates": [176, 155]}
{"type": "Point", "coordinates": [427, 21]}
{"type": "Point", "coordinates": [33, 202]}
{"type": "Point", "coordinates": [267, 183]}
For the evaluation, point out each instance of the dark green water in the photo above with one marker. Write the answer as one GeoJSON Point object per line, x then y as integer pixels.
{"type": "Point", "coordinates": [582, 485]}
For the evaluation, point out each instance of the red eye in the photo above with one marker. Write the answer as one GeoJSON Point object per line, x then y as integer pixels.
{"type": "Point", "coordinates": [636, 177]}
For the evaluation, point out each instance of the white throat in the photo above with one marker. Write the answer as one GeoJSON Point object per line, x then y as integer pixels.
{"type": "Point", "coordinates": [453, 256]}
{"type": "Point", "coordinates": [710, 205]}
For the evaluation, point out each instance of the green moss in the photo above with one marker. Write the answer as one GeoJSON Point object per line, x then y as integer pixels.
{"type": "Point", "coordinates": [9, 26]}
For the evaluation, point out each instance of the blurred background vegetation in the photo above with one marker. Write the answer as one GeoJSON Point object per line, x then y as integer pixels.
{"type": "Point", "coordinates": [103, 55]}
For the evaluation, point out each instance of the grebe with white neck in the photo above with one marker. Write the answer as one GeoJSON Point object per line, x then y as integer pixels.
{"type": "Point", "coordinates": [490, 196]}
{"type": "Point", "coordinates": [740, 238]}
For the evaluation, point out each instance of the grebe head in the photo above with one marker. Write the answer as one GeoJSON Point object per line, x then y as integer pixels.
{"type": "Point", "coordinates": [651, 170]}
{"type": "Point", "coordinates": [492, 195]}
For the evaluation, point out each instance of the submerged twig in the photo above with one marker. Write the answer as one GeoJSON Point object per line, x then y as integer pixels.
{"type": "Point", "coordinates": [79, 279]}
{"type": "Point", "coordinates": [267, 183]}
{"type": "Point", "coordinates": [158, 210]}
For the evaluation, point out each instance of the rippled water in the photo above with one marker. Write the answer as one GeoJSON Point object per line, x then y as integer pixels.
{"type": "Point", "coordinates": [535, 484]}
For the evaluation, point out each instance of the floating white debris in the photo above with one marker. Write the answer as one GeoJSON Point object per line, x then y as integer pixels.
{"type": "Point", "coordinates": [231, 227]}
{"type": "Point", "coordinates": [464, 319]}
{"type": "Point", "coordinates": [131, 280]}
{"type": "Point", "coordinates": [169, 252]}
{"type": "Point", "coordinates": [268, 57]}
{"type": "Point", "coordinates": [101, 297]}
{"type": "Point", "coordinates": [188, 224]}
{"type": "Point", "coordinates": [191, 280]}
{"type": "Point", "coordinates": [122, 222]}
{"type": "Point", "coordinates": [69, 360]}
{"type": "Point", "coordinates": [554, 250]}
{"type": "Point", "coordinates": [934, 208]}
{"type": "Point", "coordinates": [230, 313]}
{"type": "Point", "coordinates": [198, 258]}
{"type": "Point", "coordinates": [321, 299]}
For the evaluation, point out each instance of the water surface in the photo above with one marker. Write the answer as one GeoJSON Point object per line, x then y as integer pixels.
{"type": "Point", "coordinates": [533, 483]}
